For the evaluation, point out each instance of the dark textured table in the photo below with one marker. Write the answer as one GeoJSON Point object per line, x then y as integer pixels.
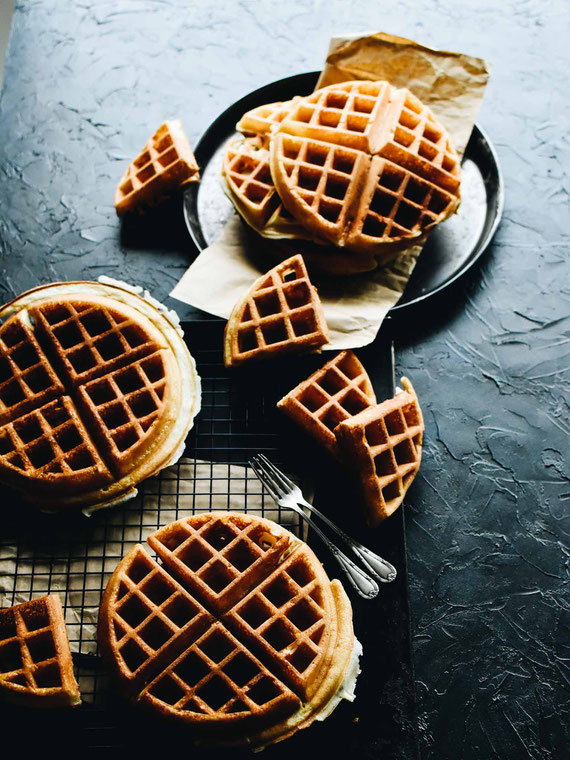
{"type": "Point", "coordinates": [487, 518]}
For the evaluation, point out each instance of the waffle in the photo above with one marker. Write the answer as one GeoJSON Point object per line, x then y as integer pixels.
{"type": "Point", "coordinates": [261, 120]}
{"type": "Point", "coordinates": [384, 446]}
{"type": "Point", "coordinates": [280, 314]}
{"type": "Point", "coordinates": [246, 171]}
{"type": "Point", "coordinates": [50, 450]}
{"type": "Point", "coordinates": [98, 392]}
{"type": "Point", "coordinates": [220, 560]}
{"type": "Point", "coordinates": [165, 164]}
{"type": "Point", "coordinates": [348, 114]}
{"type": "Point", "coordinates": [265, 647]}
{"type": "Point", "coordinates": [146, 619]}
{"type": "Point", "coordinates": [364, 166]}
{"type": "Point", "coordinates": [336, 392]}
{"type": "Point", "coordinates": [26, 378]}
{"type": "Point", "coordinates": [35, 662]}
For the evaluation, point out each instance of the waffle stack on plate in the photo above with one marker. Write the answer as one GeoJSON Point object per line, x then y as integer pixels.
{"type": "Point", "coordinates": [97, 392]}
{"type": "Point", "coordinates": [35, 662]}
{"type": "Point", "coordinates": [238, 633]}
{"type": "Point", "coordinates": [360, 165]}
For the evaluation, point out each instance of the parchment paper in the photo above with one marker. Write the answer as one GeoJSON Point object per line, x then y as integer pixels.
{"type": "Point", "coordinates": [452, 84]}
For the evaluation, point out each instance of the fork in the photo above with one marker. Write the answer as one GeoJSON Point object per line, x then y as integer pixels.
{"type": "Point", "coordinates": [288, 495]}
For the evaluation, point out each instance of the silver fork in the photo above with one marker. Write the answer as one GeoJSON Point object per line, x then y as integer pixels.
{"type": "Point", "coordinates": [289, 496]}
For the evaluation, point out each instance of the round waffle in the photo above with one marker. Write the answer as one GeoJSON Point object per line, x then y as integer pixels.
{"type": "Point", "coordinates": [97, 392]}
{"type": "Point", "coordinates": [237, 634]}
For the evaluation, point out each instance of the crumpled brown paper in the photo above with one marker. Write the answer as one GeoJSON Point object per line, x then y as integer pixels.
{"type": "Point", "coordinates": [452, 84]}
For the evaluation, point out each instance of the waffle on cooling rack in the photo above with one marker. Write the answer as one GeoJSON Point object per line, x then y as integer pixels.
{"type": "Point", "coordinates": [35, 662]}
{"type": "Point", "coordinates": [97, 392]}
{"type": "Point", "coordinates": [239, 634]}
{"type": "Point", "coordinates": [360, 164]}
{"type": "Point", "coordinates": [281, 314]}
{"type": "Point", "coordinates": [165, 164]}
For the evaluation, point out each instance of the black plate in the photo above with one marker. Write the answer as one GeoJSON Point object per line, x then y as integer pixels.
{"type": "Point", "coordinates": [452, 248]}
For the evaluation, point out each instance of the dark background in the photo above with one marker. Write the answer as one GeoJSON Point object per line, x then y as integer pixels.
{"type": "Point", "coordinates": [85, 84]}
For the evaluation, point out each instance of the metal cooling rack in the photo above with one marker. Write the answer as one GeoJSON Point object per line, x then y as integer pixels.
{"type": "Point", "coordinates": [74, 556]}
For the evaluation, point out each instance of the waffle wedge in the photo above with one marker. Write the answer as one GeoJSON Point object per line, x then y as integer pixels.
{"type": "Point", "coordinates": [383, 445]}
{"type": "Point", "coordinates": [35, 662]}
{"type": "Point", "coordinates": [336, 392]}
{"type": "Point", "coordinates": [165, 164]}
{"type": "Point", "coordinates": [260, 646]}
{"type": "Point", "coordinates": [98, 392]}
{"type": "Point", "coordinates": [281, 314]}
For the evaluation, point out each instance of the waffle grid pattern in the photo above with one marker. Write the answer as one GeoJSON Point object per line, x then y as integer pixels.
{"type": "Point", "coordinates": [51, 440]}
{"type": "Point", "coordinates": [337, 391]}
{"type": "Point", "coordinates": [286, 613]}
{"type": "Point", "coordinates": [217, 674]}
{"type": "Point", "coordinates": [152, 610]}
{"type": "Point", "coordinates": [26, 378]}
{"type": "Point", "coordinates": [90, 340]}
{"type": "Point", "coordinates": [246, 168]}
{"type": "Point", "coordinates": [127, 402]}
{"type": "Point", "coordinates": [385, 442]}
{"type": "Point", "coordinates": [29, 646]}
{"type": "Point", "coordinates": [280, 311]}
{"type": "Point", "coordinates": [165, 158]}
{"type": "Point", "coordinates": [343, 113]}
{"type": "Point", "coordinates": [214, 559]}
{"type": "Point", "coordinates": [76, 561]}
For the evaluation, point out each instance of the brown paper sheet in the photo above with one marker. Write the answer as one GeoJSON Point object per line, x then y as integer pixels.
{"type": "Point", "coordinates": [452, 84]}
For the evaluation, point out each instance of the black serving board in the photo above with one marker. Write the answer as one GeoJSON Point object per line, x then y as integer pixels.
{"type": "Point", "coordinates": [452, 248]}
{"type": "Point", "coordinates": [238, 419]}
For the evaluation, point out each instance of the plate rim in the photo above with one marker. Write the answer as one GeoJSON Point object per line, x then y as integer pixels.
{"type": "Point", "coordinates": [478, 133]}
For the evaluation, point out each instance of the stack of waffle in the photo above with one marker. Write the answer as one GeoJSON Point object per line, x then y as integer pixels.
{"type": "Point", "coordinates": [360, 165]}
{"type": "Point", "coordinates": [381, 444]}
{"type": "Point", "coordinates": [238, 633]}
{"type": "Point", "coordinates": [97, 392]}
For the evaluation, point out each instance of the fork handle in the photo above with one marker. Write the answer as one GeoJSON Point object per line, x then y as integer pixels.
{"type": "Point", "coordinates": [379, 567]}
{"type": "Point", "coordinates": [361, 581]}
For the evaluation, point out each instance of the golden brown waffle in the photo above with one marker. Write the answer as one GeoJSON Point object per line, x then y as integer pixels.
{"type": "Point", "coordinates": [127, 407]}
{"type": "Point", "coordinates": [246, 171]}
{"type": "Point", "coordinates": [265, 653]}
{"type": "Point", "coordinates": [98, 392]}
{"type": "Point", "coordinates": [365, 166]}
{"type": "Point", "coordinates": [220, 560]}
{"type": "Point", "coordinates": [26, 378]}
{"type": "Point", "coordinates": [146, 619]}
{"type": "Point", "coordinates": [91, 337]}
{"type": "Point", "coordinates": [349, 114]}
{"type": "Point", "coordinates": [165, 164]}
{"type": "Point", "coordinates": [35, 662]}
{"type": "Point", "coordinates": [51, 449]}
{"type": "Point", "coordinates": [336, 392]}
{"type": "Point", "coordinates": [260, 120]}
{"type": "Point", "coordinates": [280, 314]}
{"type": "Point", "coordinates": [384, 446]}
{"type": "Point", "coordinates": [217, 676]}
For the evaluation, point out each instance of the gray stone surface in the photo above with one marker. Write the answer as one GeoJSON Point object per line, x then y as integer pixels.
{"type": "Point", "coordinates": [488, 520]}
